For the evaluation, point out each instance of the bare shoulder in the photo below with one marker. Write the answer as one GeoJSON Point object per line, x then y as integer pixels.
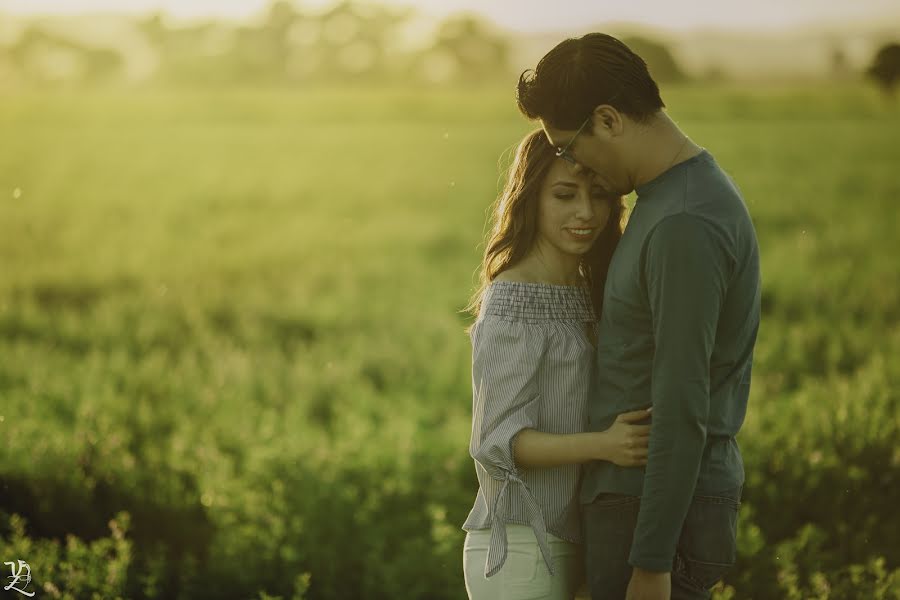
{"type": "Point", "coordinates": [515, 273]}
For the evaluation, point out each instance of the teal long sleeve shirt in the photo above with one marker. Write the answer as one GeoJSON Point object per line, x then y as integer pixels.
{"type": "Point", "coordinates": [680, 317]}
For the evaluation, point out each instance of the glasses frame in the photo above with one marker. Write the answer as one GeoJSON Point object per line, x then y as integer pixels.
{"type": "Point", "coordinates": [564, 153]}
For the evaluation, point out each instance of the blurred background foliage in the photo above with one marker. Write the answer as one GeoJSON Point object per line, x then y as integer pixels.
{"type": "Point", "coordinates": [232, 358]}
{"type": "Point", "coordinates": [367, 43]}
{"type": "Point", "coordinates": [348, 42]}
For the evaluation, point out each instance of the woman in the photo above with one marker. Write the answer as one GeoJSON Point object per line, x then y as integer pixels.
{"type": "Point", "coordinates": [542, 278]}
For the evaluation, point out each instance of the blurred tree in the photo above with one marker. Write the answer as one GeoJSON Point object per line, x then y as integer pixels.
{"type": "Point", "coordinates": [885, 68]}
{"type": "Point", "coordinates": [47, 58]}
{"type": "Point", "coordinates": [659, 59]}
{"type": "Point", "coordinates": [715, 73]}
{"type": "Point", "coordinates": [217, 53]}
{"type": "Point", "coordinates": [197, 54]}
{"type": "Point", "coordinates": [263, 52]}
{"type": "Point", "coordinates": [350, 42]}
{"type": "Point", "coordinates": [840, 65]}
{"type": "Point", "coordinates": [153, 27]}
{"type": "Point", "coordinates": [464, 50]}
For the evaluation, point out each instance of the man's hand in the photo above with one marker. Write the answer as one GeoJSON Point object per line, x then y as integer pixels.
{"type": "Point", "coordinates": [649, 585]}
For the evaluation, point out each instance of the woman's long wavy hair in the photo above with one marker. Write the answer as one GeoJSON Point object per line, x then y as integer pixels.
{"type": "Point", "coordinates": [514, 223]}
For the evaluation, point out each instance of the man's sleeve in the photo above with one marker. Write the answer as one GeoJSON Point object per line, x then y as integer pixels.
{"type": "Point", "coordinates": [685, 270]}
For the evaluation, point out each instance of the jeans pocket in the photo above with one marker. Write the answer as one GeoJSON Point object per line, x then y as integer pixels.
{"type": "Point", "coordinates": [707, 548]}
{"type": "Point", "coordinates": [608, 525]}
{"type": "Point", "coordinates": [521, 562]}
{"type": "Point", "coordinates": [604, 501]}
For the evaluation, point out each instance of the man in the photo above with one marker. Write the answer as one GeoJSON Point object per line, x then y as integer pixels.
{"type": "Point", "coordinates": [680, 318]}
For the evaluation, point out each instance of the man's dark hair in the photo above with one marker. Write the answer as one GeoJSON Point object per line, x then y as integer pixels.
{"type": "Point", "coordinates": [579, 74]}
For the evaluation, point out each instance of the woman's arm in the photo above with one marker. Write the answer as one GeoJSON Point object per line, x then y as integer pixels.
{"type": "Point", "coordinates": [624, 444]}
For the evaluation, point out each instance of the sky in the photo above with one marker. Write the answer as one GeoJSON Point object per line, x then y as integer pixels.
{"type": "Point", "coordinates": [525, 15]}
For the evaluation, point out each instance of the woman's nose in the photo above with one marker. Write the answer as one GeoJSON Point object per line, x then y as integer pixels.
{"type": "Point", "coordinates": [585, 210]}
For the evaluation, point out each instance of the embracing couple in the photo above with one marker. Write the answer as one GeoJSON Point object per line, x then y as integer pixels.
{"type": "Point", "coordinates": [610, 365]}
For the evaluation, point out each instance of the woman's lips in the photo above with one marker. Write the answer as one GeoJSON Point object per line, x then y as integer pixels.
{"type": "Point", "coordinates": [581, 233]}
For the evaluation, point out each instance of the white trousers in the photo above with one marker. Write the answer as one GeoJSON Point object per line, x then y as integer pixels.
{"type": "Point", "coordinates": [524, 575]}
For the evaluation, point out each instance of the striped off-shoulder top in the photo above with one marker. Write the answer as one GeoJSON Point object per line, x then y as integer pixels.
{"type": "Point", "coordinates": [532, 367]}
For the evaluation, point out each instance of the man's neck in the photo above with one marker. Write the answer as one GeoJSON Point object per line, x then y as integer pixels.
{"type": "Point", "coordinates": [660, 145]}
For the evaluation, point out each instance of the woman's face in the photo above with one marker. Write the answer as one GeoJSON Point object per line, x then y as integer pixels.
{"type": "Point", "coordinates": [572, 209]}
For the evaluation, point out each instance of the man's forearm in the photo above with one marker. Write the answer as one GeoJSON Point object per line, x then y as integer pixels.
{"type": "Point", "coordinates": [669, 482]}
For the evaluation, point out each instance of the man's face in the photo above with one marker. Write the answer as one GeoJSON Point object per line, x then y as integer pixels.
{"type": "Point", "coordinates": [594, 151]}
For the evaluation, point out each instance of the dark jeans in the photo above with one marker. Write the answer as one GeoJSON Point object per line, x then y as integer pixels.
{"type": "Point", "coordinates": [706, 548]}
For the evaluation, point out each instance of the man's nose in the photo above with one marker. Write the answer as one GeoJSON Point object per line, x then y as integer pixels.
{"type": "Point", "coordinates": [581, 170]}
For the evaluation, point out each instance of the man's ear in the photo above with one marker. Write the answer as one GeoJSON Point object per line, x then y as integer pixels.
{"type": "Point", "coordinates": [608, 120]}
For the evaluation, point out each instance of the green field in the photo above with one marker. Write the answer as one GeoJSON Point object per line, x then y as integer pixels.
{"type": "Point", "coordinates": [235, 316]}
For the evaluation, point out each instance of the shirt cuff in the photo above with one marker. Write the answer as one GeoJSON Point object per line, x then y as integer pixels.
{"type": "Point", "coordinates": [650, 563]}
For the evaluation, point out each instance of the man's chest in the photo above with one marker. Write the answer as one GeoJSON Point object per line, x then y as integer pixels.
{"type": "Point", "coordinates": [626, 309]}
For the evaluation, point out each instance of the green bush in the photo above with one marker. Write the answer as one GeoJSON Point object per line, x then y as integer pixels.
{"type": "Point", "coordinates": [73, 569]}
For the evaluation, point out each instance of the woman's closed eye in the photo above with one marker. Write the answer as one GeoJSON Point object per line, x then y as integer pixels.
{"type": "Point", "coordinates": [596, 195]}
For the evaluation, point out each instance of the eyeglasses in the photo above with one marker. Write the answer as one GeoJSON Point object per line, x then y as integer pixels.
{"type": "Point", "coordinates": [564, 153]}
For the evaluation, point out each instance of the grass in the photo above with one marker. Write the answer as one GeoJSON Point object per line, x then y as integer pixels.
{"type": "Point", "coordinates": [236, 315]}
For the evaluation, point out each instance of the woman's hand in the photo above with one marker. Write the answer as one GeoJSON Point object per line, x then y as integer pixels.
{"type": "Point", "coordinates": [625, 443]}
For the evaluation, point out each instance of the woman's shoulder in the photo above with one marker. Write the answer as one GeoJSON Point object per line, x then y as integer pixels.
{"type": "Point", "coordinates": [536, 303]}
{"type": "Point", "coordinates": [515, 274]}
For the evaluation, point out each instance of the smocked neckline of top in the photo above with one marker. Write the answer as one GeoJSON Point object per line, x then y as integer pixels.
{"type": "Point", "coordinates": [533, 301]}
{"type": "Point", "coordinates": [537, 284]}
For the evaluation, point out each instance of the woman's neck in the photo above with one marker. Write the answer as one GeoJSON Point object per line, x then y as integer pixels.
{"type": "Point", "coordinates": [551, 266]}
